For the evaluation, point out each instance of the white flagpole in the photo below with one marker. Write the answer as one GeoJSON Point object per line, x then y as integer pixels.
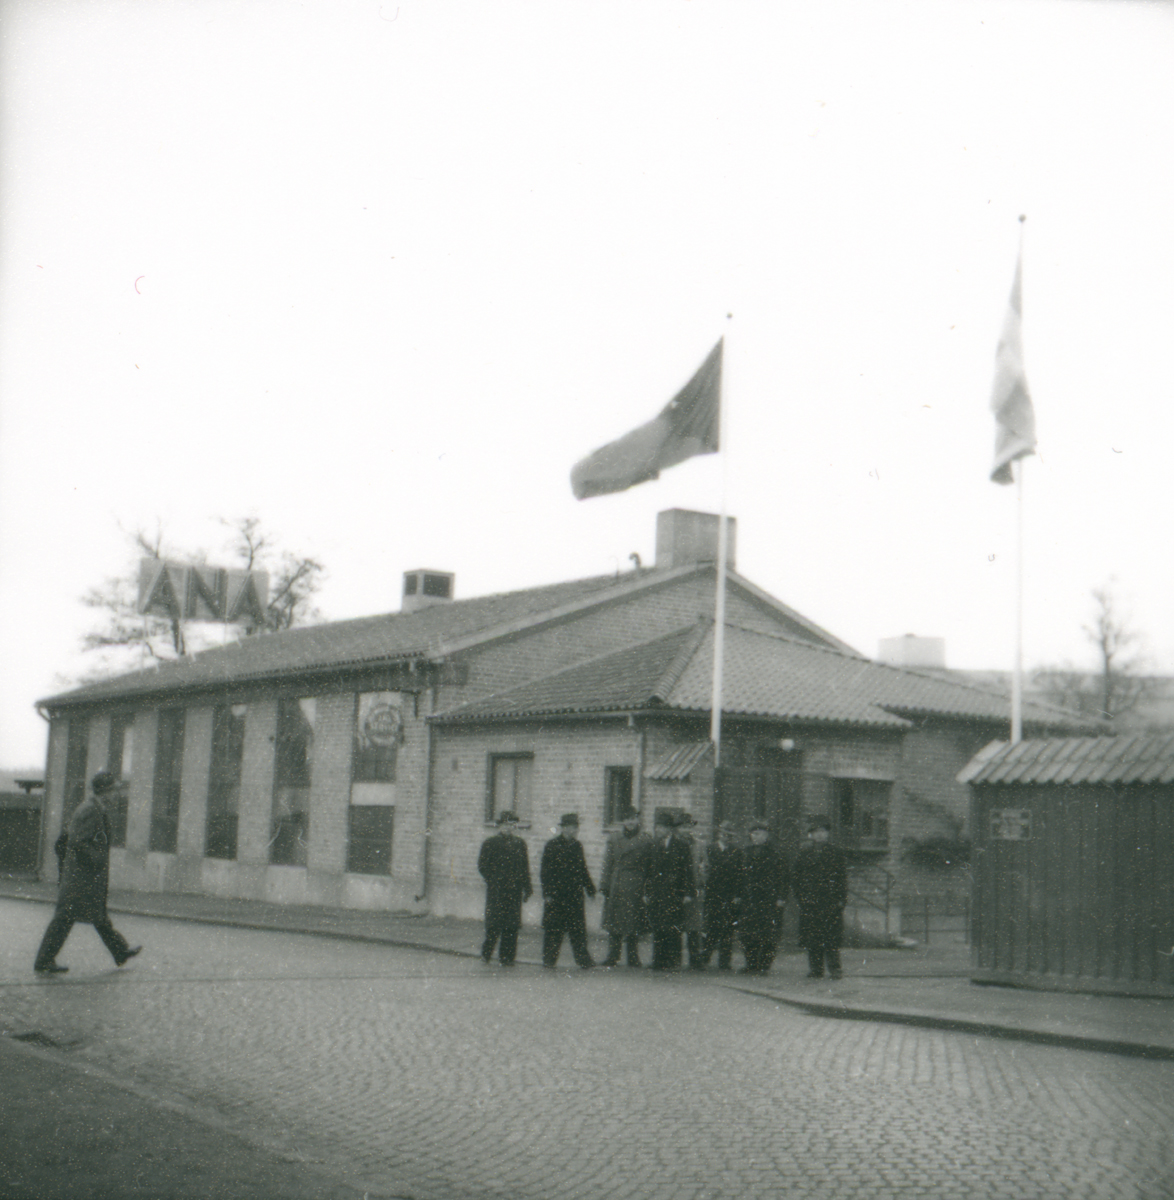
{"type": "Point", "coordinates": [1017, 674]}
{"type": "Point", "coordinates": [1017, 468]}
{"type": "Point", "coordinates": [719, 604]}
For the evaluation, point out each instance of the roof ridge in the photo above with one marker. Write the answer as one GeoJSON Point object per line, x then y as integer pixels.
{"type": "Point", "coordinates": [675, 669]}
{"type": "Point", "coordinates": [578, 665]}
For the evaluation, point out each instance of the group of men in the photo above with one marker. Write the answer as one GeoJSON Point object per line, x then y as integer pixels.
{"type": "Point", "coordinates": [669, 885]}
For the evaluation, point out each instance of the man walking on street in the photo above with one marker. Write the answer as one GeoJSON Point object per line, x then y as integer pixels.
{"type": "Point", "coordinates": [564, 878]}
{"type": "Point", "coordinates": [821, 888]}
{"type": "Point", "coordinates": [723, 892]}
{"type": "Point", "coordinates": [622, 884]}
{"type": "Point", "coordinates": [671, 889]}
{"type": "Point", "coordinates": [504, 863]}
{"type": "Point", "coordinates": [765, 883]}
{"type": "Point", "coordinates": [85, 880]}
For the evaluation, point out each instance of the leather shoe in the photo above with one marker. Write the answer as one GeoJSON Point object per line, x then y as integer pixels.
{"type": "Point", "coordinates": [51, 969]}
{"type": "Point", "coordinates": [128, 955]}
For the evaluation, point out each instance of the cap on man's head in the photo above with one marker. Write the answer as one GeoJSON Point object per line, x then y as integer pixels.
{"type": "Point", "coordinates": [571, 819]}
{"type": "Point", "coordinates": [726, 827]}
{"type": "Point", "coordinates": [665, 817]}
{"type": "Point", "coordinates": [818, 822]}
{"type": "Point", "coordinates": [759, 824]}
{"type": "Point", "coordinates": [507, 817]}
{"type": "Point", "coordinates": [685, 819]}
{"type": "Point", "coordinates": [104, 781]}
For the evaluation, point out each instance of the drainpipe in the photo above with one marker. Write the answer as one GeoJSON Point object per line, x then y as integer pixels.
{"type": "Point", "coordinates": [426, 837]}
{"type": "Point", "coordinates": [641, 748]}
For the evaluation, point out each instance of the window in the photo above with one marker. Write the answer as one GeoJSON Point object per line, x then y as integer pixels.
{"type": "Point", "coordinates": [76, 747]}
{"type": "Point", "coordinates": [370, 833]}
{"type": "Point", "coordinates": [224, 780]}
{"type": "Point", "coordinates": [510, 778]}
{"type": "Point", "coordinates": [617, 804]}
{"type": "Point", "coordinates": [861, 809]}
{"type": "Point", "coordinates": [379, 724]}
{"type": "Point", "coordinates": [120, 762]}
{"type": "Point", "coordinates": [290, 827]}
{"type": "Point", "coordinates": [168, 776]}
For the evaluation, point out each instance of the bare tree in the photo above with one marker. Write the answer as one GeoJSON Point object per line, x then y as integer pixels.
{"type": "Point", "coordinates": [126, 638]}
{"type": "Point", "coordinates": [1118, 686]}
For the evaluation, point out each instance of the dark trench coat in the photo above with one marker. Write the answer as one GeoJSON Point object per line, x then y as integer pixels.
{"type": "Point", "coordinates": [765, 881]}
{"type": "Point", "coordinates": [504, 863]}
{"type": "Point", "coordinates": [85, 866]}
{"type": "Point", "coordinates": [821, 889]}
{"type": "Point", "coordinates": [564, 878]}
{"type": "Point", "coordinates": [670, 880]}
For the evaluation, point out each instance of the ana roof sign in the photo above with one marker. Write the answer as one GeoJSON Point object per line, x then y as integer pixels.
{"type": "Point", "coordinates": [202, 593]}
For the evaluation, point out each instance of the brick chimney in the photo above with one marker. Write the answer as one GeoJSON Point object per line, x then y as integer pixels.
{"type": "Point", "coordinates": [423, 588]}
{"type": "Point", "coordinates": [685, 538]}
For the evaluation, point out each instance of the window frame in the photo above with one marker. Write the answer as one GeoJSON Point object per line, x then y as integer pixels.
{"type": "Point", "coordinates": [615, 813]}
{"type": "Point", "coordinates": [294, 822]}
{"type": "Point", "coordinates": [224, 783]}
{"type": "Point", "coordinates": [167, 783]}
{"type": "Point", "coordinates": [122, 723]}
{"type": "Point", "coordinates": [853, 812]}
{"type": "Point", "coordinates": [491, 810]}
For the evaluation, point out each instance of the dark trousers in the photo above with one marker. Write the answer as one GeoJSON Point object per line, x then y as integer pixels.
{"type": "Point", "coordinates": [574, 926]}
{"type": "Point", "coordinates": [509, 943]}
{"type": "Point", "coordinates": [693, 942]}
{"type": "Point", "coordinates": [720, 937]}
{"type": "Point", "coordinates": [666, 949]}
{"type": "Point", "coordinates": [63, 921]}
{"type": "Point", "coordinates": [820, 952]}
{"type": "Point", "coordinates": [760, 952]}
{"type": "Point", "coordinates": [616, 942]}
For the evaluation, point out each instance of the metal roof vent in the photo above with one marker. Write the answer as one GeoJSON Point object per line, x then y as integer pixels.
{"type": "Point", "coordinates": [424, 588]}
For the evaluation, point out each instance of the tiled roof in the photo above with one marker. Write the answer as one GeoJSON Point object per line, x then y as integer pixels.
{"type": "Point", "coordinates": [428, 633]}
{"type": "Point", "coordinates": [1142, 758]}
{"type": "Point", "coordinates": [764, 675]}
{"type": "Point", "coordinates": [347, 644]}
{"type": "Point", "coordinates": [678, 763]}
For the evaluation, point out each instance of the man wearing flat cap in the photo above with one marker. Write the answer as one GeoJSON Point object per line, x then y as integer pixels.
{"type": "Point", "coordinates": [821, 888]}
{"type": "Point", "coordinates": [85, 878]}
{"type": "Point", "coordinates": [723, 892]}
{"type": "Point", "coordinates": [564, 878]}
{"type": "Point", "coordinates": [765, 883]}
{"type": "Point", "coordinates": [504, 863]}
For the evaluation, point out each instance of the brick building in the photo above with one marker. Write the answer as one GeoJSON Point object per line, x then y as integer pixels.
{"type": "Point", "coordinates": [360, 763]}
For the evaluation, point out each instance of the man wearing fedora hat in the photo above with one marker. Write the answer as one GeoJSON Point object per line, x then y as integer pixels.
{"type": "Point", "coordinates": [504, 863]}
{"type": "Point", "coordinates": [821, 888]}
{"type": "Point", "coordinates": [85, 879]}
{"type": "Point", "coordinates": [564, 878]}
{"type": "Point", "coordinates": [765, 883]}
{"type": "Point", "coordinates": [723, 892]}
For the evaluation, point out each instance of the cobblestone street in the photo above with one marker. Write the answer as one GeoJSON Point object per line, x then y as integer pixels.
{"type": "Point", "coordinates": [414, 1074]}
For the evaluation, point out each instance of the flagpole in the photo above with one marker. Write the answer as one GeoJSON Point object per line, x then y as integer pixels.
{"type": "Point", "coordinates": [1017, 674]}
{"type": "Point", "coordinates": [719, 603]}
{"type": "Point", "coordinates": [1018, 467]}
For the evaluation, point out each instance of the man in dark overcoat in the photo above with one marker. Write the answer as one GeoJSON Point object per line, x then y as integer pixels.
{"type": "Point", "coordinates": [765, 883]}
{"type": "Point", "coordinates": [821, 889]}
{"type": "Point", "coordinates": [504, 863]}
{"type": "Point", "coordinates": [622, 884]}
{"type": "Point", "coordinates": [671, 889]}
{"type": "Point", "coordinates": [723, 895]}
{"type": "Point", "coordinates": [564, 878]}
{"type": "Point", "coordinates": [84, 880]}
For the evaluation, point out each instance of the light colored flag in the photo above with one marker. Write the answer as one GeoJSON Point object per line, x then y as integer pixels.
{"type": "Point", "coordinates": [1010, 399]}
{"type": "Point", "coordinates": [686, 426]}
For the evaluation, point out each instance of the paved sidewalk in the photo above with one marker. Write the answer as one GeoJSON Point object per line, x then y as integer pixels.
{"type": "Point", "coordinates": [927, 986]}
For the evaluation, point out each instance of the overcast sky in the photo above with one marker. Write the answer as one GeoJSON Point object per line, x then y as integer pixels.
{"type": "Point", "coordinates": [380, 273]}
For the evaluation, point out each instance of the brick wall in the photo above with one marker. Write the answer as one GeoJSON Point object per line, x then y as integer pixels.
{"type": "Point", "coordinates": [568, 776]}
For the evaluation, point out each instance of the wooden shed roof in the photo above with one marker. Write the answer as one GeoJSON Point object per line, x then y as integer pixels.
{"type": "Point", "coordinates": [1140, 758]}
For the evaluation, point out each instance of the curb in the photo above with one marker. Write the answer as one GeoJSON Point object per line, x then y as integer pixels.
{"type": "Point", "coordinates": [922, 1020]}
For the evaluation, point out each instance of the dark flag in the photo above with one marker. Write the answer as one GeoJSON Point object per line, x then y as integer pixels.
{"type": "Point", "coordinates": [687, 426]}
